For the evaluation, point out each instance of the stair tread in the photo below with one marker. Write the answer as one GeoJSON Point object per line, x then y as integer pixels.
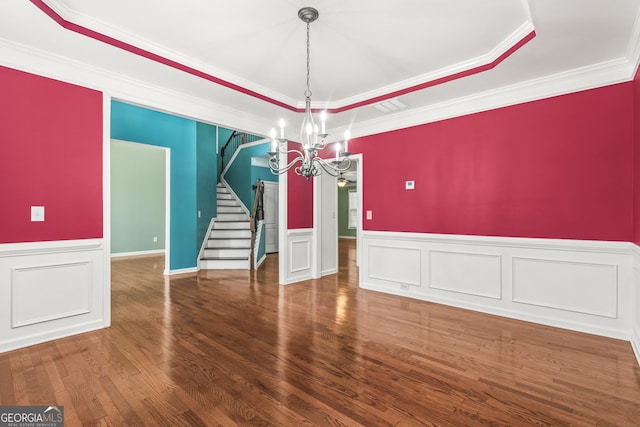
{"type": "Point", "coordinates": [229, 238]}
{"type": "Point", "coordinates": [239, 248]}
{"type": "Point", "coordinates": [224, 258]}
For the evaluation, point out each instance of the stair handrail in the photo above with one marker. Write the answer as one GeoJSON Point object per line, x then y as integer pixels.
{"type": "Point", "coordinates": [257, 214]}
{"type": "Point", "coordinates": [235, 140]}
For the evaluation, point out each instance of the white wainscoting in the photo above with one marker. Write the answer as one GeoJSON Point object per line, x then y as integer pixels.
{"type": "Point", "coordinates": [635, 332]}
{"type": "Point", "coordinates": [50, 290]}
{"type": "Point", "coordinates": [300, 249]}
{"type": "Point", "coordinates": [579, 285]}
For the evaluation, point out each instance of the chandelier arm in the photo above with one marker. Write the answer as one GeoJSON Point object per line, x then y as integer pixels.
{"type": "Point", "coordinates": [274, 165]}
{"type": "Point", "coordinates": [334, 169]}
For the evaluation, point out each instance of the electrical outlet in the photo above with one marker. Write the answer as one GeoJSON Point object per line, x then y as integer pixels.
{"type": "Point", "coordinates": [404, 287]}
{"type": "Point", "coordinates": [155, 239]}
{"type": "Point", "coordinates": [369, 214]}
{"type": "Point", "coordinates": [37, 213]}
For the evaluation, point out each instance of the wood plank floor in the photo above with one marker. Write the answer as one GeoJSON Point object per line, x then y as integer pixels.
{"type": "Point", "coordinates": [234, 348]}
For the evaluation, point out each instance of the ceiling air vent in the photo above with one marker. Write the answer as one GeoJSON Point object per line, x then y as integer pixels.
{"type": "Point", "coordinates": [390, 105]}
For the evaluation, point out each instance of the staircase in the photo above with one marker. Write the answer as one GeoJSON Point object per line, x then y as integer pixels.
{"type": "Point", "coordinates": [229, 242]}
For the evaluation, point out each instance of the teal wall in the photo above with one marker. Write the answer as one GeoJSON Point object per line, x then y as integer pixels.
{"type": "Point", "coordinates": [137, 124]}
{"type": "Point", "coordinates": [207, 176]}
{"type": "Point", "coordinates": [343, 213]}
{"type": "Point", "coordinates": [237, 177]}
{"type": "Point", "coordinates": [138, 197]}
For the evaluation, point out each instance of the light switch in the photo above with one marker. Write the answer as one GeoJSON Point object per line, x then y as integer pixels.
{"type": "Point", "coordinates": [369, 214]}
{"type": "Point", "coordinates": [409, 185]}
{"type": "Point", "coordinates": [37, 213]}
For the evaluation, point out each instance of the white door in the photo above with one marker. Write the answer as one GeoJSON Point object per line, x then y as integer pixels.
{"type": "Point", "coordinates": [271, 216]}
{"type": "Point", "coordinates": [328, 224]}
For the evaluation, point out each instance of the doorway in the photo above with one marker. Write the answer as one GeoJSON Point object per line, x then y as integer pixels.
{"type": "Point", "coordinates": [327, 212]}
{"type": "Point", "coordinates": [271, 222]}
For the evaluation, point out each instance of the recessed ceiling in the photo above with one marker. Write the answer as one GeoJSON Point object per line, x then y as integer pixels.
{"type": "Point", "coordinates": [250, 55]}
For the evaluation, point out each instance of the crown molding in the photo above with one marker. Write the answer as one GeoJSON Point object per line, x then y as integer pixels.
{"type": "Point", "coordinates": [590, 77]}
{"type": "Point", "coordinates": [43, 63]}
{"type": "Point", "coordinates": [485, 62]}
{"type": "Point", "coordinates": [116, 37]}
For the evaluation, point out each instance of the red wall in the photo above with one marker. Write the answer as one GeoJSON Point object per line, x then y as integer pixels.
{"type": "Point", "coordinates": [636, 159]}
{"type": "Point", "coordinates": [299, 197]}
{"type": "Point", "coordinates": [51, 139]}
{"type": "Point", "coordinates": [557, 168]}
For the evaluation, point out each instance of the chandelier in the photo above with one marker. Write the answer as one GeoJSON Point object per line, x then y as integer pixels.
{"type": "Point", "coordinates": [306, 162]}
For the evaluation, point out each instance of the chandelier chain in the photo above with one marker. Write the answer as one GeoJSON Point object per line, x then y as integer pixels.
{"type": "Point", "coordinates": [308, 92]}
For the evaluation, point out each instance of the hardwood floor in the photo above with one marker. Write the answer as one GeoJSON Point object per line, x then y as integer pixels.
{"type": "Point", "coordinates": [234, 348]}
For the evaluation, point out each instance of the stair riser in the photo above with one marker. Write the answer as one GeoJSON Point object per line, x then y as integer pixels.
{"type": "Point", "coordinates": [232, 234]}
{"type": "Point", "coordinates": [228, 202]}
{"type": "Point", "coordinates": [230, 209]}
{"type": "Point", "coordinates": [228, 243]}
{"type": "Point", "coordinates": [211, 264]}
{"type": "Point", "coordinates": [222, 225]}
{"type": "Point", "coordinates": [227, 252]}
{"type": "Point", "coordinates": [222, 216]}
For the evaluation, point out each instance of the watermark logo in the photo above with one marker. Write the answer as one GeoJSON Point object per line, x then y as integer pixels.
{"type": "Point", "coordinates": [31, 416]}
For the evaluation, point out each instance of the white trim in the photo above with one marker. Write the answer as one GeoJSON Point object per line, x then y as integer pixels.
{"type": "Point", "coordinates": [35, 256]}
{"type": "Point", "coordinates": [204, 242]}
{"type": "Point", "coordinates": [189, 270]}
{"type": "Point", "coordinates": [261, 260]}
{"type": "Point", "coordinates": [501, 48]}
{"type": "Point", "coordinates": [590, 77]}
{"type": "Point", "coordinates": [50, 247]}
{"type": "Point", "coordinates": [299, 231]}
{"type": "Point", "coordinates": [235, 196]}
{"type": "Point", "coordinates": [137, 254]}
{"type": "Point", "coordinates": [517, 242]}
{"type": "Point", "coordinates": [283, 215]}
{"type": "Point", "coordinates": [242, 147]}
{"type": "Point", "coordinates": [565, 261]}
{"type": "Point", "coordinates": [167, 198]}
{"type": "Point", "coordinates": [120, 87]}
{"type": "Point", "coordinates": [106, 207]}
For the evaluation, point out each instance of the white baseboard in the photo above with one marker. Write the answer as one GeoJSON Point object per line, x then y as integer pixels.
{"type": "Point", "coordinates": [138, 254]}
{"type": "Point", "coordinates": [190, 270]}
{"type": "Point", "coordinates": [261, 260]}
{"type": "Point", "coordinates": [635, 344]}
{"type": "Point", "coordinates": [580, 285]}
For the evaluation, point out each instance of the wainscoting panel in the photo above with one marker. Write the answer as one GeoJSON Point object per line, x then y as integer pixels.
{"type": "Point", "coordinates": [474, 274]}
{"type": "Point", "coordinates": [580, 285]}
{"type": "Point", "coordinates": [300, 256]}
{"type": "Point", "coordinates": [50, 290]}
{"type": "Point", "coordinates": [300, 247]}
{"type": "Point", "coordinates": [395, 264]}
{"type": "Point", "coordinates": [566, 285]}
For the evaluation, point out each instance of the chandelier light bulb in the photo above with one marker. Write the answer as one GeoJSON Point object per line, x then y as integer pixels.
{"type": "Point", "coordinates": [347, 135]}
{"type": "Point", "coordinates": [272, 134]}
{"type": "Point", "coordinates": [323, 120]}
{"type": "Point", "coordinates": [281, 123]}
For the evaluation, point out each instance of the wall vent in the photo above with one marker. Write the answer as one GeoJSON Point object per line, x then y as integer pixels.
{"type": "Point", "coordinates": [390, 105]}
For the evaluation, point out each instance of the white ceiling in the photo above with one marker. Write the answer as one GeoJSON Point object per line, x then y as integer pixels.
{"type": "Point", "coordinates": [360, 50]}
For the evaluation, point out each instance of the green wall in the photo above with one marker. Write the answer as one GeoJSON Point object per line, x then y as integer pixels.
{"type": "Point", "coordinates": [343, 213]}
{"type": "Point", "coordinates": [190, 175]}
{"type": "Point", "coordinates": [138, 199]}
